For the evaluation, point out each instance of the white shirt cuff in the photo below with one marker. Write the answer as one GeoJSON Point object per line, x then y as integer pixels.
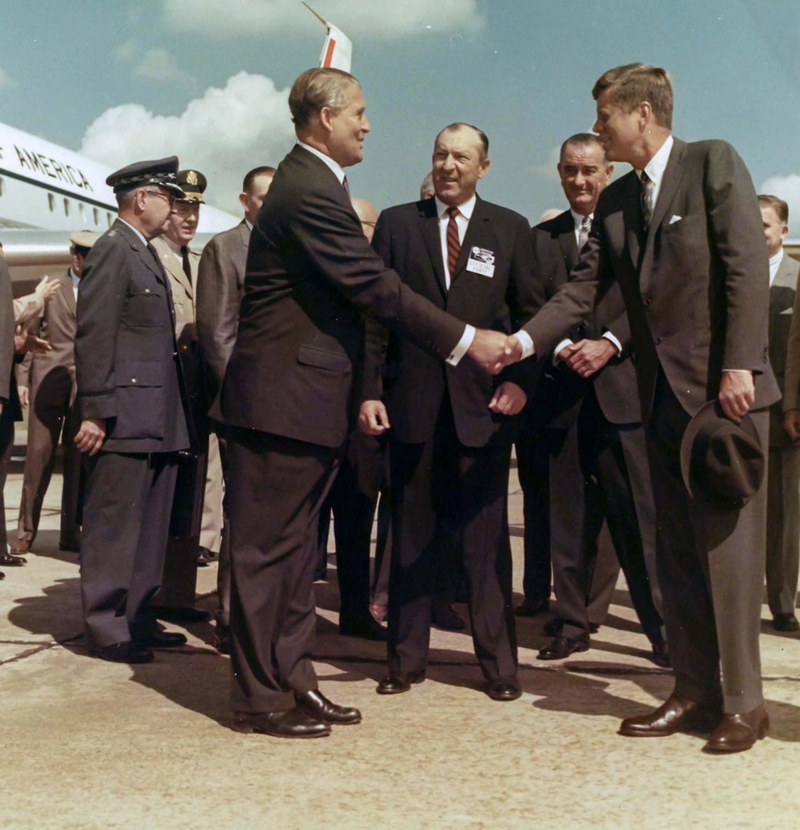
{"type": "Point", "coordinates": [739, 371]}
{"type": "Point", "coordinates": [463, 345]}
{"type": "Point", "coordinates": [562, 345]}
{"type": "Point", "coordinates": [609, 336]}
{"type": "Point", "coordinates": [526, 342]}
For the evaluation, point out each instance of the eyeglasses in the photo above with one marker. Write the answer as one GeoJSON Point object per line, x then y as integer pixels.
{"type": "Point", "coordinates": [168, 196]}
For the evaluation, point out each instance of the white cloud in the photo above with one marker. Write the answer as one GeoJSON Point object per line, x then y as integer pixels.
{"type": "Point", "coordinates": [6, 81]}
{"type": "Point", "coordinates": [126, 52]}
{"type": "Point", "coordinates": [224, 133]}
{"type": "Point", "coordinates": [160, 65]}
{"type": "Point", "coordinates": [788, 189]}
{"type": "Point", "coordinates": [384, 19]}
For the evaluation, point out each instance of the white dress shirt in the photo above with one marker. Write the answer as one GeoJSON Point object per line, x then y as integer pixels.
{"type": "Point", "coordinates": [656, 166]}
{"type": "Point", "coordinates": [774, 264]}
{"type": "Point", "coordinates": [75, 283]}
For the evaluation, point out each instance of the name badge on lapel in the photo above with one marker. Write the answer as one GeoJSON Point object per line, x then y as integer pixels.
{"type": "Point", "coordinates": [481, 261]}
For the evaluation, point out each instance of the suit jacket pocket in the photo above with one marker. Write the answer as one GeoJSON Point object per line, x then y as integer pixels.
{"type": "Point", "coordinates": [323, 359]}
{"type": "Point", "coordinates": [139, 399]}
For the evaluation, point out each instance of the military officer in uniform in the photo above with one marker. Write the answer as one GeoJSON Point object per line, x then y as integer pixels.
{"type": "Point", "coordinates": [49, 378]}
{"type": "Point", "coordinates": [197, 511]}
{"type": "Point", "coordinates": [134, 421]}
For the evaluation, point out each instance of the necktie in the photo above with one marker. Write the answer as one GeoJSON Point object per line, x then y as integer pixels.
{"type": "Point", "coordinates": [648, 188]}
{"type": "Point", "coordinates": [453, 242]}
{"type": "Point", "coordinates": [346, 186]}
{"type": "Point", "coordinates": [187, 268]}
{"type": "Point", "coordinates": [583, 233]}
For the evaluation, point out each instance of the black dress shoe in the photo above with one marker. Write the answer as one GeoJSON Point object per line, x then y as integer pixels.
{"type": "Point", "coordinates": [290, 724]}
{"type": "Point", "coordinates": [181, 615]}
{"type": "Point", "coordinates": [553, 627]}
{"type": "Point", "coordinates": [13, 561]}
{"type": "Point", "coordinates": [395, 684]}
{"type": "Point", "coordinates": [674, 715]}
{"type": "Point", "coordinates": [532, 607]}
{"type": "Point", "coordinates": [785, 622]}
{"type": "Point", "coordinates": [660, 655]}
{"type": "Point", "coordinates": [562, 647]}
{"type": "Point", "coordinates": [125, 652]}
{"type": "Point", "coordinates": [205, 557]}
{"type": "Point", "coordinates": [446, 617]}
{"type": "Point", "coordinates": [314, 704]}
{"type": "Point", "coordinates": [2, 575]}
{"type": "Point", "coordinates": [365, 627]}
{"type": "Point", "coordinates": [739, 732]}
{"type": "Point", "coordinates": [160, 639]}
{"type": "Point", "coordinates": [504, 690]}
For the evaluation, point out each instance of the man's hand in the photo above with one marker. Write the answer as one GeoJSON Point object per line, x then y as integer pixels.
{"type": "Point", "coordinates": [24, 341]}
{"type": "Point", "coordinates": [791, 423]}
{"type": "Point", "coordinates": [373, 418]}
{"type": "Point", "coordinates": [588, 356]}
{"type": "Point", "coordinates": [24, 396]}
{"type": "Point", "coordinates": [493, 350]}
{"type": "Point", "coordinates": [91, 435]}
{"type": "Point", "coordinates": [47, 287]}
{"type": "Point", "coordinates": [508, 399]}
{"type": "Point", "coordinates": [737, 392]}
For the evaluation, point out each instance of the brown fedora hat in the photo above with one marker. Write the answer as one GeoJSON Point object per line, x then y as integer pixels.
{"type": "Point", "coordinates": [721, 459]}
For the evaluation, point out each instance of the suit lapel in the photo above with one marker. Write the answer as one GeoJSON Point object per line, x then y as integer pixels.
{"type": "Point", "coordinates": [478, 225]}
{"type": "Point", "coordinates": [632, 218]}
{"type": "Point", "coordinates": [429, 228]}
{"type": "Point", "coordinates": [567, 241]}
{"type": "Point", "coordinates": [68, 293]}
{"type": "Point", "coordinates": [244, 234]}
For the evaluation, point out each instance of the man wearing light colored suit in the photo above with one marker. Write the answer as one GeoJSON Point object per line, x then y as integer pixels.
{"type": "Point", "coordinates": [683, 238]}
{"type": "Point", "coordinates": [220, 284]}
{"type": "Point", "coordinates": [50, 379]}
{"type": "Point", "coordinates": [783, 483]}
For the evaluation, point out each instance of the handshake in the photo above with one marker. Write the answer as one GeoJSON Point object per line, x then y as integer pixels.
{"type": "Point", "coordinates": [493, 350]}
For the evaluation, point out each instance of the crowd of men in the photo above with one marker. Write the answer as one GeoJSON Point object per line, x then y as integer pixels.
{"type": "Point", "coordinates": [318, 357]}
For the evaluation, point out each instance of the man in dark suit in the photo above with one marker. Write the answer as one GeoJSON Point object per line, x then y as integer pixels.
{"type": "Point", "coordinates": [287, 397]}
{"type": "Point", "coordinates": [588, 429]}
{"type": "Point", "coordinates": [220, 285]}
{"type": "Point", "coordinates": [132, 403]}
{"type": "Point", "coordinates": [50, 380]}
{"type": "Point", "coordinates": [450, 427]}
{"type": "Point", "coordinates": [682, 237]}
{"type": "Point", "coordinates": [783, 470]}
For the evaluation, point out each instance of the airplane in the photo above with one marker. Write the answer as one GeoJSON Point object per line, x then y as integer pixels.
{"type": "Point", "coordinates": [46, 193]}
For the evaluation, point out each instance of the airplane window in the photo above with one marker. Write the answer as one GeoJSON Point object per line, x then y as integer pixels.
{"type": "Point", "coordinates": [51, 202]}
{"type": "Point", "coordinates": [66, 207]}
{"type": "Point", "coordinates": [96, 216]}
{"type": "Point", "coordinates": [82, 211]}
{"type": "Point", "coordinates": [108, 217]}
{"type": "Point", "coordinates": [1, 187]}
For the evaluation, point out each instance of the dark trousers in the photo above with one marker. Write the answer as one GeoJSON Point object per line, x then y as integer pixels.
{"type": "Point", "coordinates": [783, 528]}
{"type": "Point", "coordinates": [533, 472]}
{"type": "Point", "coordinates": [277, 487]}
{"type": "Point", "coordinates": [51, 418]}
{"type": "Point", "coordinates": [125, 526]}
{"type": "Point", "coordinates": [6, 448]}
{"type": "Point", "coordinates": [594, 466]}
{"type": "Point", "coordinates": [443, 494]}
{"type": "Point", "coordinates": [711, 570]}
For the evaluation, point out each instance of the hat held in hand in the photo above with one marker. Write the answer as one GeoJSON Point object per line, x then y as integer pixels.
{"type": "Point", "coordinates": [721, 459]}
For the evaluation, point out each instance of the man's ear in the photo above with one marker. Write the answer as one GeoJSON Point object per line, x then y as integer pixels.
{"type": "Point", "coordinates": [326, 118]}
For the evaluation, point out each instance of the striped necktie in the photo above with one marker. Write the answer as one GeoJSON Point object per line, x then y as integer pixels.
{"type": "Point", "coordinates": [648, 188]}
{"type": "Point", "coordinates": [583, 232]}
{"type": "Point", "coordinates": [453, 242]}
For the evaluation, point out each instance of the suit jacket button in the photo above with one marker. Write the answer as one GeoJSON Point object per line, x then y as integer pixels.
{"type": "Point", "coordinates": [658, 341]}
{"type": "Point", "coordinates": [133, 380]}
{"type": "Point", "coordinates": [646, 301]}
{"type": "Point", "coordinates": [147, 291]}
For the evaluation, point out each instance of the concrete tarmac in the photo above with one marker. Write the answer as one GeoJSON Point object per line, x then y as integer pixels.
{"type": "Point", "coordinates": [90, 744]}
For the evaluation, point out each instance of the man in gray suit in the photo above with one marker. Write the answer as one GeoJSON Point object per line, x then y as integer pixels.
{"type": "Point", "coordinates": [783, 481]}
{"type": "Point", "coordinates": [220, 284]}
{"type": "Point", "coordinates": [682, 236]}
{"type": "Point", "coordinates": [50, 378]}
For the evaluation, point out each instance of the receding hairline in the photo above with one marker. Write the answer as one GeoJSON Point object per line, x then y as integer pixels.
{"type": "Point", "coordinates": [582, 140]}
{"type": "Point", "coordinates": [483, 141]}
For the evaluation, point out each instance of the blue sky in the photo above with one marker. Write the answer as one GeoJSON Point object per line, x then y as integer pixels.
{"type": "Point", "coordinates": [154, 76]}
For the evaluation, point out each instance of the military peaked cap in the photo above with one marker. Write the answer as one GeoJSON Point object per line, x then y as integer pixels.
{"type": "Point", "coordinates": [161, 172]}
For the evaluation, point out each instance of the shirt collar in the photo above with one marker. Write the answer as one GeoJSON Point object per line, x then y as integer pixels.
{"type": "Point", "coordinates": [658, 164]}
{"type": "Point", "coordinates": [578, 219]}
{"type": "Point", "coordinates": [249, 224]}
{"type": "Point", "coordinates": [135, 230]}
{"type": "Point", "coordinates": [75, 278]}
{"type": "Point", "coordinates": [335, 167]}
{"type": "Point", "coordinates": [176, 249]}
{"type": "Point", "coordinates": [464, 209]}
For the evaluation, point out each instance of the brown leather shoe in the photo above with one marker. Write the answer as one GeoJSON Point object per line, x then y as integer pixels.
{"type": "Point", "coordinates": [562, 647]}
{"type": "Point", "coordinates": [20, 546]}
{"type": "Point", "coordinates": [739, 732]}
{"type": "Point", "coordinates": [674, 715]}
{"type": "Point", "coordinates": [290, 724]}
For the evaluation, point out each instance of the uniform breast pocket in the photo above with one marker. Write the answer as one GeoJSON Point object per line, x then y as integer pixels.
{"type": "Point", "coordinates": [140, 399]}
{"type": "Point", "coordinates": [145, 305]}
